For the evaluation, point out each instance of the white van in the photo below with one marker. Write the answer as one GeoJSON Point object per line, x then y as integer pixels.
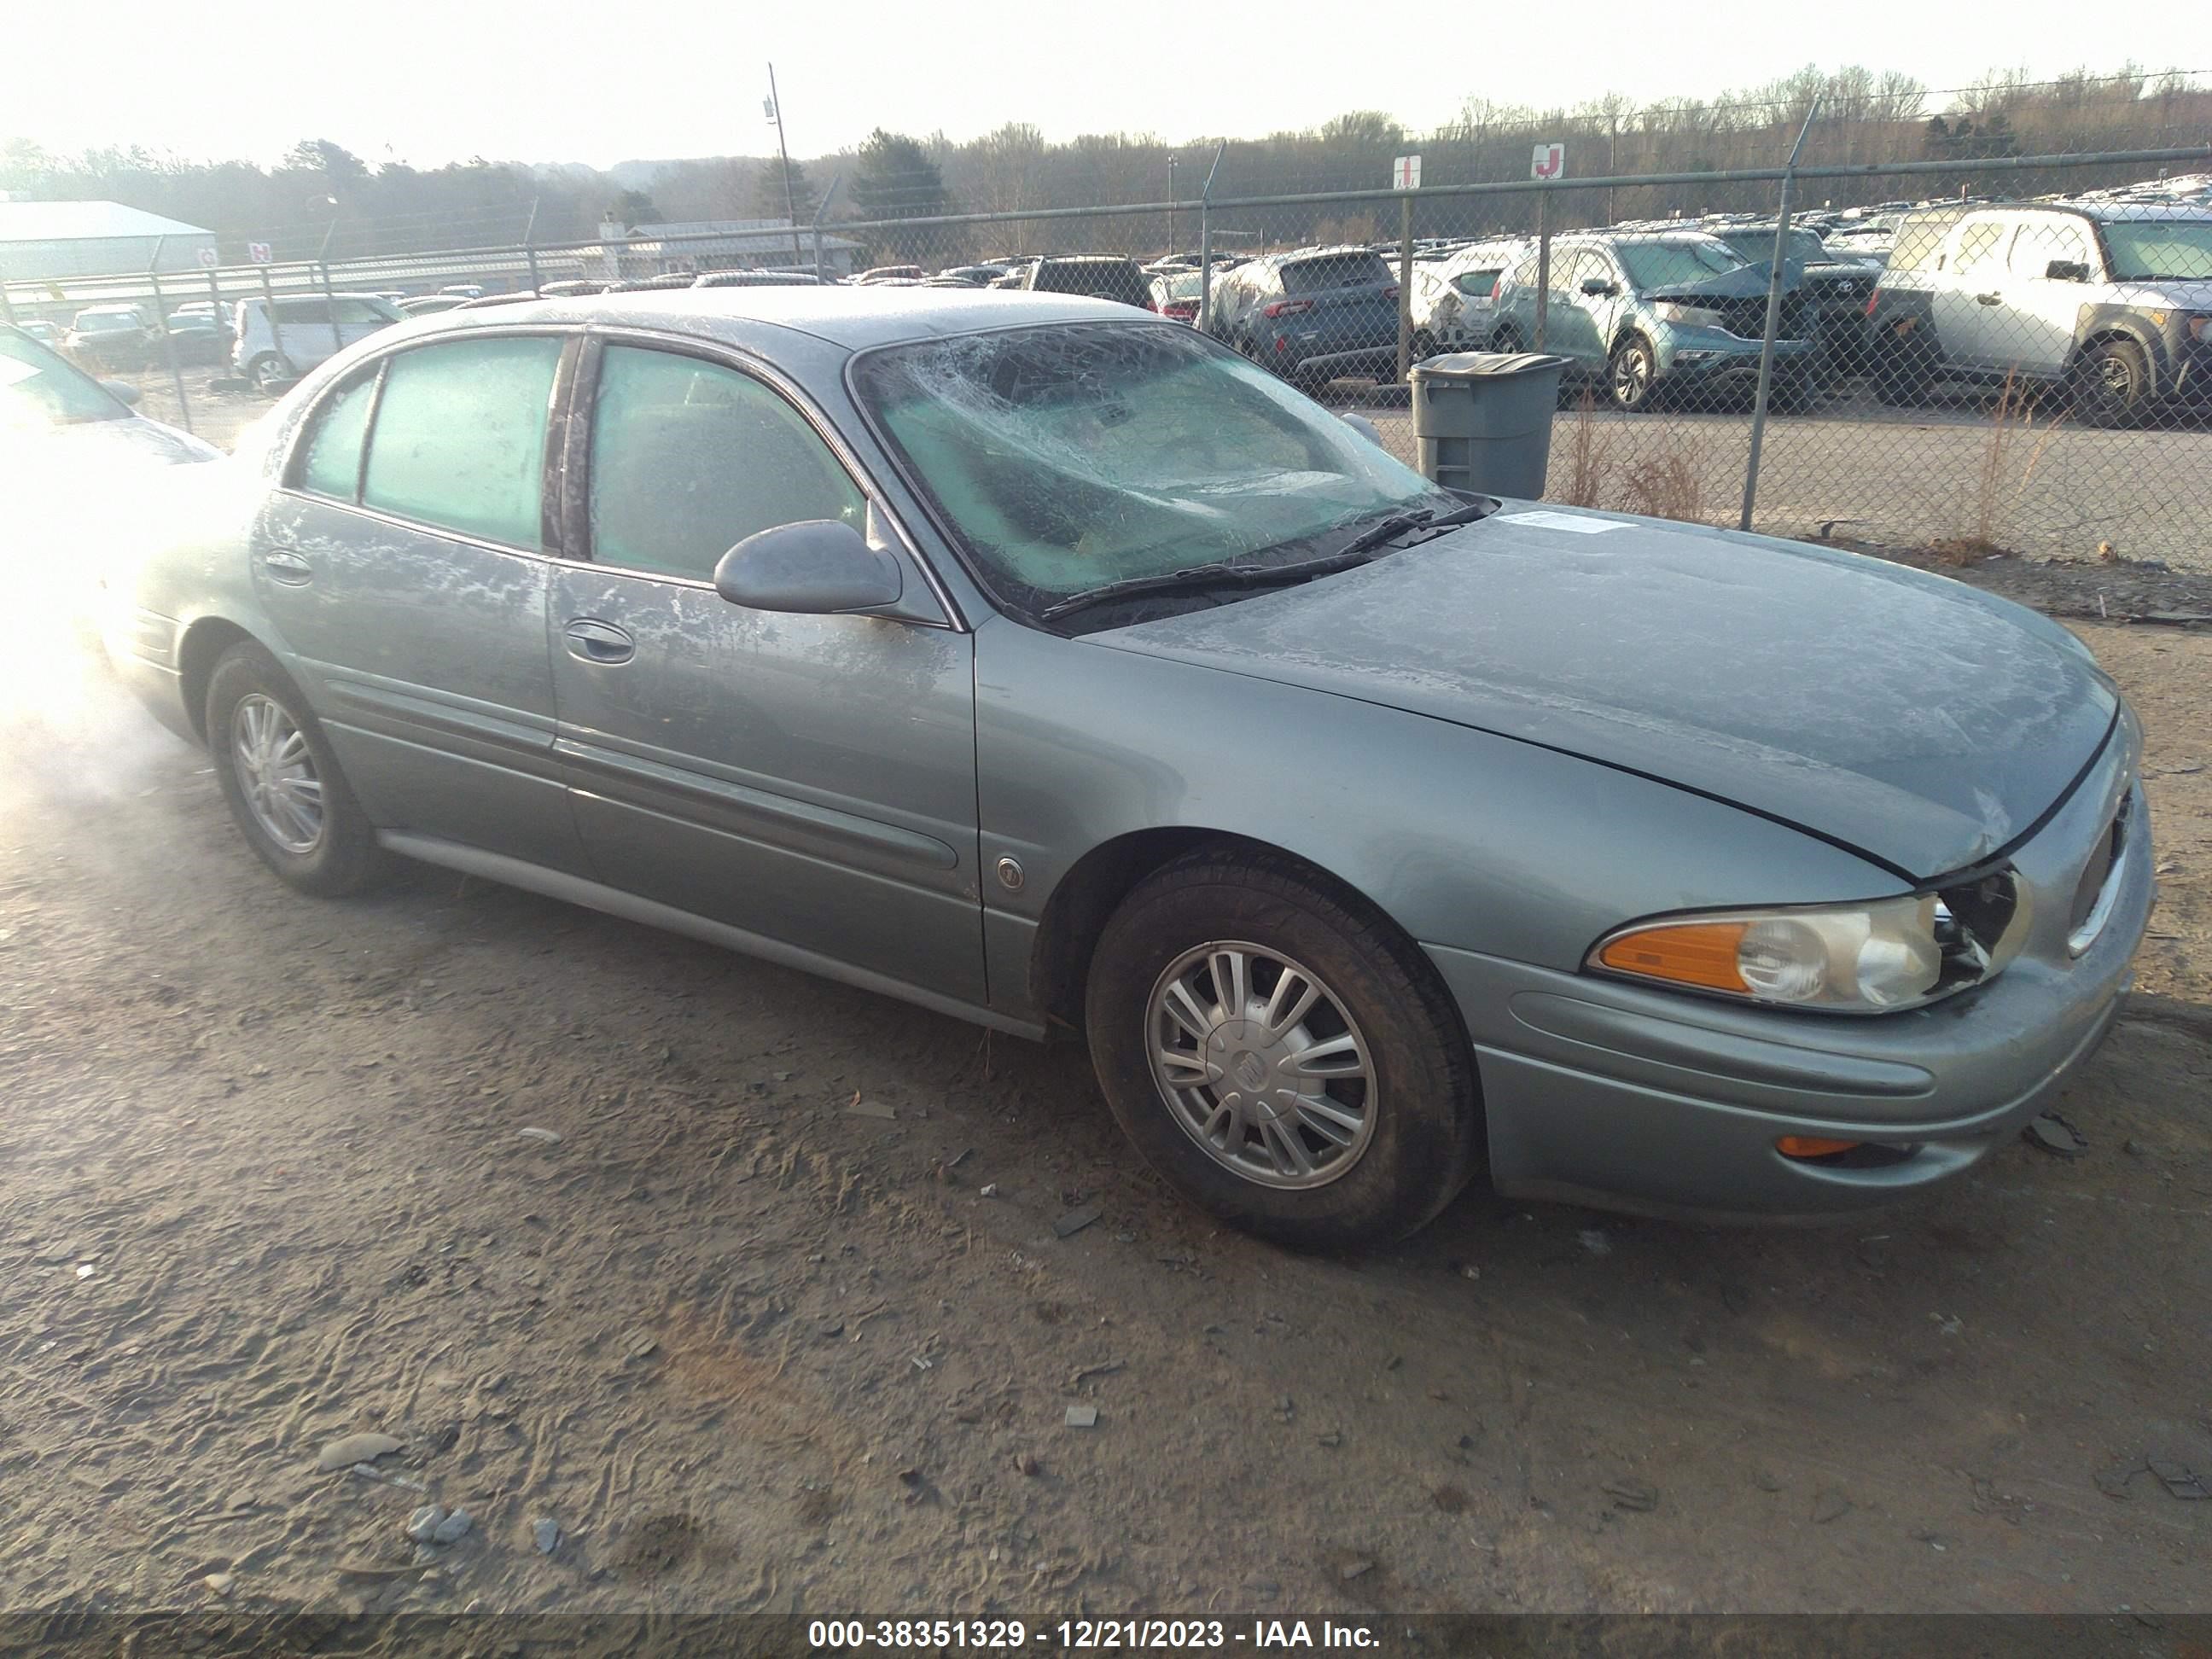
{"type": "Point", "coordinates": [306, 328]}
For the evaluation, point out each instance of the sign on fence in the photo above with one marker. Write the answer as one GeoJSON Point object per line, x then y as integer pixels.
{"type": "Point", "coordinates": [1550, 162]}
{"type": "Point", "coordinates": [258, 252]}
{"type": "Point", "coordinates": [1406, 173]}
{"type": "Point", "coordinates": [208, 256]}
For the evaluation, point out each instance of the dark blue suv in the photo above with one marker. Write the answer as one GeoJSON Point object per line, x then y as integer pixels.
{"type": "Point", "coordinates": [1310, 316]}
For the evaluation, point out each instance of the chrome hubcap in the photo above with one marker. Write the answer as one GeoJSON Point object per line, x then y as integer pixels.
{"type": "Point", "coordinates": [1261, 1065]}
{"type": "Point", "coordinates": [276, 774]}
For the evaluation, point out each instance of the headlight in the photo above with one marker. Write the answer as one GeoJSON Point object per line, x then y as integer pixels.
{"type": "Point", "coordinates": [2200, 328]}
{"type": "Point", "coordinates": [1689, 316]}
{"type": "Point", "coordinates": [1853, 958]}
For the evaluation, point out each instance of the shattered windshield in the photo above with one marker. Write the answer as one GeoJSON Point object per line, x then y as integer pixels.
{"type": "Point", "coordinates": [1072, 456]}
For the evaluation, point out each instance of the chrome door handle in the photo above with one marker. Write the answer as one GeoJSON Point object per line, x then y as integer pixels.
{"type": "Point", "coordinates": [592, 640]}
{"type": "Point", "coordinates": [287, 567]}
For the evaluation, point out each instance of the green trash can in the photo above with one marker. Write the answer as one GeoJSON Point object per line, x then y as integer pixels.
{"type": "Point", "coordinates": [1482, 420]}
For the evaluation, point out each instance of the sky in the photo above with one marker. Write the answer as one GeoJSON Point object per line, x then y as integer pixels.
{"type": "Point", "coordinates": [427, 82]}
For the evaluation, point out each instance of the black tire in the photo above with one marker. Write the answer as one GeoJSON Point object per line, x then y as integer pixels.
{"type": "Point", "coordinates": [1507, 339]}
{"type": "Point", "coordinates": [2112, 384]}
{"type": "Point", "coordinates": [268, 373]}
{"type": "Point", "coordinates": [1425, 1140]}
{"type": "Point", "coordinates": [1424, 345]}
{"type": "Point", "coordinates": [1632, 374]}
{"type": "Point", "coordinates": [345, 857]}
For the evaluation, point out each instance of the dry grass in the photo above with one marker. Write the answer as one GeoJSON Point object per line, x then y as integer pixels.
{"type": "Point", "coordinates": [2020, 436]}
{"type": "Point", "coordinates": [1668, 481]}
{"type": "Point", "coordinates": [1588, 457]}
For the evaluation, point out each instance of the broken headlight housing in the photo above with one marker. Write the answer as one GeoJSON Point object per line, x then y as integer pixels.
{"type": "Point", "coordinates": [1874, 958]}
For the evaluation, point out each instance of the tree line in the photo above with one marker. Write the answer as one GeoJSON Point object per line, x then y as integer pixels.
{"type": "Point", "coordinates": [320, 199]}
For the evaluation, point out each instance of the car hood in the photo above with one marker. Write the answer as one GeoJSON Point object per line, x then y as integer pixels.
{"type": "Point", "coordinates": [1744, 283]}
{"type": "Point", "coordinates": [1912, 719]}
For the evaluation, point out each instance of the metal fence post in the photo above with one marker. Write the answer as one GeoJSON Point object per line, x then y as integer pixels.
{"type": "Point", "coordinates": [1206, 236]}
{"type": "Point", "coordinates": [276, 327]}
{"type": "Point", "coordinates": [7, 306]}
{"type": "Point", "coordinates": [168, 340]}
{"type": "Point", "coordinates": [329, 299]}
{"type": "Point", "coordinates": [1774, 283]}
{"type": "Point", "coordinates": [821, 208]}
{"type": "Point", "coordinates": [1406, 286]}
{"type": "Point", "coordinates": [1543, 262]}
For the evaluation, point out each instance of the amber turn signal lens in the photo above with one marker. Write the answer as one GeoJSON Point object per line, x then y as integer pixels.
{"type": "Point", "coordinates": [1701, 953]}
{"type": "Point", "coordinates": [1812, 1146]}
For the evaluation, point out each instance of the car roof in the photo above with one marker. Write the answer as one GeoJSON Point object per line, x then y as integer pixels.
{"type": "Point", "coordinates": [853, 318]}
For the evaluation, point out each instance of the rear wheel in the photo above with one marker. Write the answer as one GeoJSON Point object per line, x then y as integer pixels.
{"type": "Point", "coordinates": [281, 780]}
{"type": "Point", "coordinates": [2112, 384]}
{"type": "Point", "coordinates": [1281, 1054]}
{"type": "Point", "coordinates": [1424, 346]}
{"type": "Point", "coordinates": [268, 372]}
{"type": "Point", "coordinates": [1507, 339]}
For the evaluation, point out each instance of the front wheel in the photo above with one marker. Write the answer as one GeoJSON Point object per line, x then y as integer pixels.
{"type": "Point", "coordinates": [281, 780]}
{"type": "Point", "coordinates": [1281, 1054]}
{"type": "Point", "coordinates": [1632, 375]}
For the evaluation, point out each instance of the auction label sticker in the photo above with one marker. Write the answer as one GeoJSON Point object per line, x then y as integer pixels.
{"type": "Point", "coordinates": [1573, 521]}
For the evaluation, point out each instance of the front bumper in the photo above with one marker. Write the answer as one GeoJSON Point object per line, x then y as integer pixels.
{"type": "Point", "coordinates": [1603, 1092]}
{"type": "Point", "coordinates": [1713, 356]}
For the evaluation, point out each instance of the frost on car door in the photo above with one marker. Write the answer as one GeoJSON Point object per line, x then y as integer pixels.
{"type": "Point", "coordinates": [808, 778]}
{"type": "Point", "coordinates": [410, 586]}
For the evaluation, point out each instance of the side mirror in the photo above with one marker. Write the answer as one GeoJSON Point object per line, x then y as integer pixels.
{"type": "Point", "coordinates": [122, 391]}
{"type": "Point", "coordinates": [1596, 285]}
{"type": "Point", "coordinates": [2067, 271]}
{"type": "Point", "coordinates": [816, 567]}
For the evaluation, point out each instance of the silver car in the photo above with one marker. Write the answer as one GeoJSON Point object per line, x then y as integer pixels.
{"type": "Point", "coordinates": [1052, 666]}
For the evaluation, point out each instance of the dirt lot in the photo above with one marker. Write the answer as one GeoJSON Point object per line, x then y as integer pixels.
{"type": "Point", "coordinates": [750, 1283]}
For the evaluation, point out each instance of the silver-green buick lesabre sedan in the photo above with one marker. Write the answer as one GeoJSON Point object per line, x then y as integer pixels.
{"type": "Point", "coordinates": [1050, 665]}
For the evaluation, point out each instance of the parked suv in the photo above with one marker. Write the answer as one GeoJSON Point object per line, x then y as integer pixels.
{"type": "Point", "coordinates": [1647, 313]}
{"type": "Point", "coordinates": [2112, 300]}
{"type": "Point", "coordinates": [270, 350]}
{"type": "Point", "coordinates": [1309, 316]}
{"type": "Point", "coordinates": [1099, 275]}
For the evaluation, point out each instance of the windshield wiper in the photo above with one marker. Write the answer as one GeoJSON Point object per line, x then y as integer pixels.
{"type": "Point", "coordinates": [1400, 524]}
{"type": "Point", "coordinates": [1356, 552]}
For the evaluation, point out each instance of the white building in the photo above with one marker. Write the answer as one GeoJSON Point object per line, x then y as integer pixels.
{"type": "Point", "coordinates": [93, 239]}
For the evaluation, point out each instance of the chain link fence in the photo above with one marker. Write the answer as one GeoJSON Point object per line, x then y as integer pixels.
{"type": "Point", "coordinates": [1989, 369]}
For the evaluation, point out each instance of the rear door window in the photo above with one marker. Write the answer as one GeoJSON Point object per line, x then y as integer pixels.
{"type": "Point", "coordinates": [460, 442]}
{"type": "Point", "coordinates": [1980, 248]}
{"type": "Point", "coordinates": [330, 458]}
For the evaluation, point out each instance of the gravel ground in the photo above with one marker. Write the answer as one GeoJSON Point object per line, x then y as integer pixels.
{"type": "Point", "coordinates": [756, 1287]}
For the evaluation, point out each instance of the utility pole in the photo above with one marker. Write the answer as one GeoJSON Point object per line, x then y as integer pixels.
{"type": "Point", "coordinates": [1171, 207]}
{"type": "Point", "coordinates": [790, 203]}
